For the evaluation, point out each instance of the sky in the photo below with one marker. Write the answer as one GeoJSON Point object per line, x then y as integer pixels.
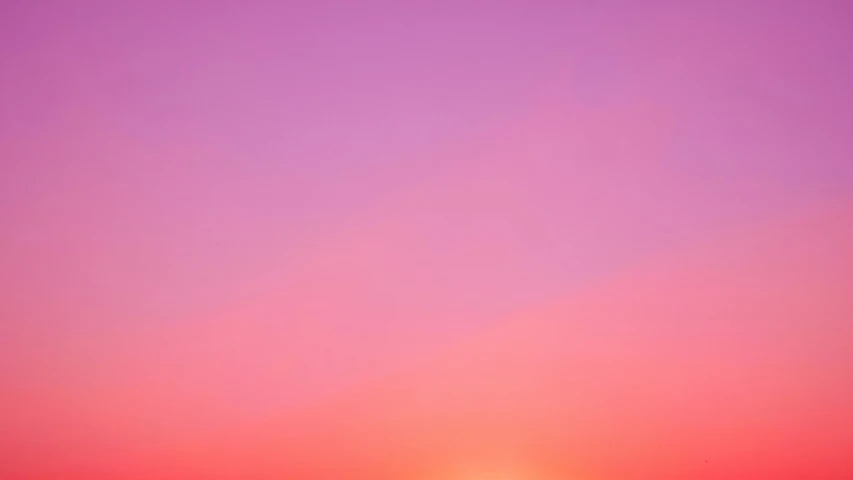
{"type": "Point", "coordinates": [544, 240]}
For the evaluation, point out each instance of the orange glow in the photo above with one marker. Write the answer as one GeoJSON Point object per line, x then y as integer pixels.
{"type": "Point", "coordinates": [489, 473]}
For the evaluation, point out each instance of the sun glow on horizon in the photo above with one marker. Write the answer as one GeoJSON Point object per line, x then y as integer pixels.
{"type": "Point", "coordinates": [493, 473]}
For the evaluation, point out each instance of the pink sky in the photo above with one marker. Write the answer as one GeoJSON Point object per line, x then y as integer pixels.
{"type": "Point", "coordinates": [608, 240]}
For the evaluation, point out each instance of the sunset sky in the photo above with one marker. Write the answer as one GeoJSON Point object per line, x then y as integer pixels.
{"type": "Point", "coordinates": [406, 240]}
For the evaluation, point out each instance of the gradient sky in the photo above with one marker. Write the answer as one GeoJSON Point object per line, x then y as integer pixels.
{"type": "Point", "coordinates": [389, 240]}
